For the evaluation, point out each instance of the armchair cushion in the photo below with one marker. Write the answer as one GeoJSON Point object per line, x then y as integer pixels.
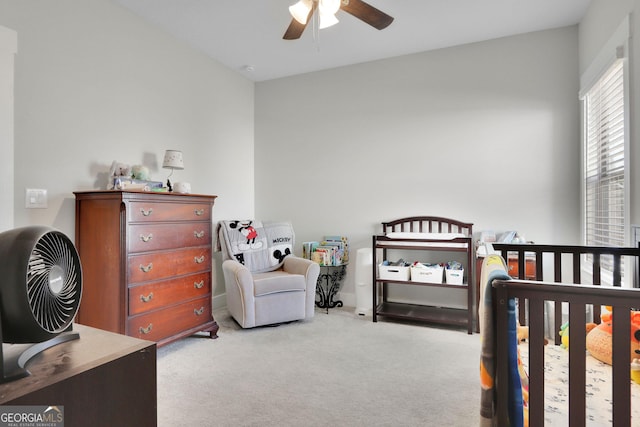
{"type": "Point", "coordinates": [259, 246]}
{"type": "Point", "coordinates": [277, 281]}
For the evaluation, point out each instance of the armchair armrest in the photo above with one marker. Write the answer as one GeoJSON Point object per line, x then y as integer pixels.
{"type": "Point", "coordinates": [239, 287]}
{"type": "Point", "coordinates": [303, 266]}
{"type": "Point", "coordinates": [240, 273]}
{"type": "Point", "coordinates": [310, 270]}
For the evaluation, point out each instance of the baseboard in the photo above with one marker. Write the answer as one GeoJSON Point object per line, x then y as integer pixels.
{"type": "Point", "coordinates": [220, 301]}
{"type": "Point", "coordinates": [348, 299]}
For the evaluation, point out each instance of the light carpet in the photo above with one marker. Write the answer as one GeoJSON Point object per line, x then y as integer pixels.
{"type": "Point", "coordinates": [338, 369]}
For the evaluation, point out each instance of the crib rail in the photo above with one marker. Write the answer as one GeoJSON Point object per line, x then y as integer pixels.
{"type": "Point", "coordinates": [428, 224]}
{"type": "Point", "coordinates": [575, 257]}
{"type": "Point", "coordinates": [578, 297]}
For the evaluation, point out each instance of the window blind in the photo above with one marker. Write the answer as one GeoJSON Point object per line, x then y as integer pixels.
{"type": "Point", "coordinates": [605, 159]}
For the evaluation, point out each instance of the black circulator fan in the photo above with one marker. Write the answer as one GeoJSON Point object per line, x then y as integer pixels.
{"type": "Point", "coordinates": [40, 291]}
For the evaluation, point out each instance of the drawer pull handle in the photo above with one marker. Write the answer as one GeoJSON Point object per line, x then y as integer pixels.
{"type": "Point", "coordinates": [146, 212]}
{"type": "Point", "coordinates": [198, 312]}
{"type": "Point", "coordinates": [198, 234]}
{"type": "Point", "coordinates": [147, 298]}
{"type": "Point", "coordinates": [146, 269]}
{"type": "Point", "coordinates": [198, 212]}
{"type": "Point", "coordinates": [146, 238]}
{"type": "Point", "coordinates": [199, 260]}
{"type": "Point", "coordinates": [146, 330]}
{"type": "Point", "coordinates": [198, 285]}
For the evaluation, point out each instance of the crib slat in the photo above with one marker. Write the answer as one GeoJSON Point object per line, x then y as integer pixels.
{"type": "Point", "coordinates": [521, 275]}
{"type": "Point", "coordinates": [521, 265]}
{"type": "Point", "coordinates": [536, 362]}
{"type": "Point", "coordinates": [595, 271]}
{"type": "Point", "coordinates": [557, 267]}
{"type": "Point", "coordinates": [617, 270]}
{"type": "Point", "coordinates": [621, 360]}
{"type": "Point", "coordinates": [577, 364]}
{"type": "Point", "coordinates": [557, 321]}
{"type": "Point", "coordinates": [539, 264]}
{"type": "Point", "coordinates": [597, 280]}
{"type": "Point", "coordinates": [576, 268]}
{"type": "Point", "coordinates": [557, 312]}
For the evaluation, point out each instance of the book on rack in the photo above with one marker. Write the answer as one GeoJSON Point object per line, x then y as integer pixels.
{"type": "Point", "coordinates": [342, 242]}
{"type": "Point", "coordinates": [325, 255]}
{"type": "Point", "coordinates": [308, 248]}
{"type": "Point", "coordinates": [331, 251]}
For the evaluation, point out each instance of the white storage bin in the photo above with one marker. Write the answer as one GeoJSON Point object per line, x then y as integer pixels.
{"type": "Point", "coordinates": [427, 274]}
{"type": "Point", "coordinates": [393, 272]}
{"type": "Point", "coordinates": [454, 277]}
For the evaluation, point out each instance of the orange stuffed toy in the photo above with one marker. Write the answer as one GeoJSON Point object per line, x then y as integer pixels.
{"type": "Point", "coordinates": [600, 338]}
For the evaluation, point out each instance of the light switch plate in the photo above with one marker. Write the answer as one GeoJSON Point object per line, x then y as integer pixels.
{"type": "Point", "coordinates": [35, 198]}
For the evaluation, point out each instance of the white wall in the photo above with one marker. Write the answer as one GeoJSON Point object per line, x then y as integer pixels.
{"type": "Point", "coordinates": [94, 83]}
{"type": "Point", "coordinates": [485, 133]}
{"type": "Point", "coordinates": [8, 47]}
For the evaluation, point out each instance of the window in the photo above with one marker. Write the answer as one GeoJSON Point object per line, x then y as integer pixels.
{"type": "Point", "coordinates": [604, 160]}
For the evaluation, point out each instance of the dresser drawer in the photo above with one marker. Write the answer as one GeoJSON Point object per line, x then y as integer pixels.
{"type": "Point", "coordinates": [166, 292]}
{"type": "Point", "coordinates": [160, 324]}
{"type": "Point", "coordinates": [161, 265]}
{"type": "Point", "coordinates": [152, 237]}
{"type": "Point", "coordinates": [164, 211]}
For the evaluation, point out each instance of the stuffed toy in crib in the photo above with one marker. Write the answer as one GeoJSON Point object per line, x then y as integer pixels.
{"type": "Point", "coordinates": [523, 334]}
{"type": "Point", "coordinates": [564, 333]}
{"type": "Point", "coordinates": [600, 339]}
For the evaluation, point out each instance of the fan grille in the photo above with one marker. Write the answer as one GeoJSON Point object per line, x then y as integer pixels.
{"type": "Point", "coordinates": [54, 282]}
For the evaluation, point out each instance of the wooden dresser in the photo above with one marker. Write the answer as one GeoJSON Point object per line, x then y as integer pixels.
{"type": "Point", "coordinates": [146, 263]}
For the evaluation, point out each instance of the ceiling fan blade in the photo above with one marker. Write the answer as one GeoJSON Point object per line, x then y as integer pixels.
{"type": "Point", "coordinates": [367, 13]}
{"type": "Point", "coordinates": [296, 29]}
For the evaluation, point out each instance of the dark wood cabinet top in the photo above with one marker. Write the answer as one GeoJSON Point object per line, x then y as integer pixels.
{"type": "Point", "coordinates": [94, 347]}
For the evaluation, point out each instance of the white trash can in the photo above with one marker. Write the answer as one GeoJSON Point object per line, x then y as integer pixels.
{"type": "Point", "coordinates": [363, 281]}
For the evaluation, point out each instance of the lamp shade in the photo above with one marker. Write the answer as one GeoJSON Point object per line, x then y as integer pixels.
{"type": "Point", "coordinates": [173, 160]}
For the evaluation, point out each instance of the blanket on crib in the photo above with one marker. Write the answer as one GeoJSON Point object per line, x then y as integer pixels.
{"type": "Point", "coordinates": [259, 245]}
{"type": "Point", "coordinates": [494, 267]}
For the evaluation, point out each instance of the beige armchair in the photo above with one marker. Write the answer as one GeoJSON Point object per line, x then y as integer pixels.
{"type": "Point", "coordinates": [265, 283]}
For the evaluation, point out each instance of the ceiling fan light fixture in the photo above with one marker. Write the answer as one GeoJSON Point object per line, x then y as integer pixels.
{"type": "Point", "coordinates": [329, 6]}
{"type": "Point", "coordinates": [327, 11]}
{"type": "Point", "coordinates": [327, 20]}
{"type": "Point", "coordinates": [300, 11]}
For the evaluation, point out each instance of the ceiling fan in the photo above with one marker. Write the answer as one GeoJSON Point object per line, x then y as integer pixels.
{"type": "Point", "coordinates": [303, 10]}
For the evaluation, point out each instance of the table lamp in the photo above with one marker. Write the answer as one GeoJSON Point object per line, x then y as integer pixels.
{"type": "Point", "coordinates": [172, 160]}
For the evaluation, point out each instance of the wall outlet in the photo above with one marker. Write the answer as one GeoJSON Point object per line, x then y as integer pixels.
{"type": "Point", "coordinates": [35, 198]}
